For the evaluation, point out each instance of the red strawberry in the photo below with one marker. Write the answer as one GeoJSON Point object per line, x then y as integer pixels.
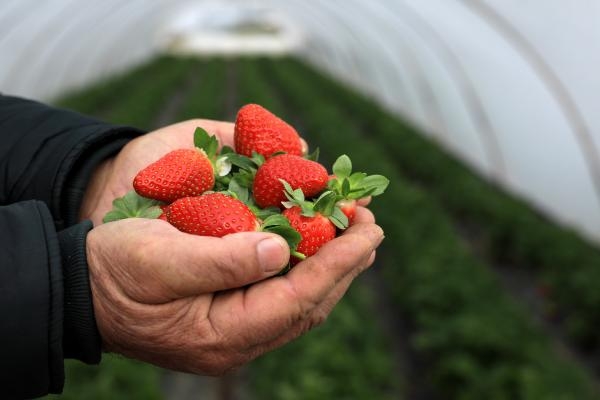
{"type": "Point", "coordinates": [316, 221]}
{"type": "Point", "coordinates": [180, 173]}
{"type": "Point", "coordinates": [258, 130]}
{"type": "Point", "coordinates": [315, 231]}
{"type": "Point", "coordinates": [348, 207]}
{"type": "Point", "coordinates": [212, 214]}
{"type": "Point", "coordinates": [309, 176]}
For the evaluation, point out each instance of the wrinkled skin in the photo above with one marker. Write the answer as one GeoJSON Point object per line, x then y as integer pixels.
{"type": "Point", "coordinates": [202, 304]}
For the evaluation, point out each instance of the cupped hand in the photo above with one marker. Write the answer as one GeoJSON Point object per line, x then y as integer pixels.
{"type": "Point", "coordinates": [114, 177]}
{"type": "Point", "coordinates": [184, 302]}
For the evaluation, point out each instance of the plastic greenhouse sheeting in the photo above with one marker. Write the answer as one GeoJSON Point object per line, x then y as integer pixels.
{"type": "Point", "coordinates": [509, 86]}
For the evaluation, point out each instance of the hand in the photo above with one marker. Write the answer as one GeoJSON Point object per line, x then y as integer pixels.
{"type": "Point", "coordinates": [182, 302]}
{"type": "Point", "coordinates": [114, 177]}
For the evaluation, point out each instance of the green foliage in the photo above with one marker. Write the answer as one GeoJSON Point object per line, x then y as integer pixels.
{"type": "Point", "coordinates": [345, 358]}
{"type": "Point", "coordinates": [132, 205]}
{"type": "Point", "coordinates": [115, 379]}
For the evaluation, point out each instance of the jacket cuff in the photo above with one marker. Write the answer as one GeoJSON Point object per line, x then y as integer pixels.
{"type": "Point", "coordinates": [81, 339]}
{"type": "Point", "coordinates": [77, 180]}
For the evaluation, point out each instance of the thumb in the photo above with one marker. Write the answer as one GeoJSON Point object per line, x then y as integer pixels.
{"type": "Point", "coordinates": [178, 264]}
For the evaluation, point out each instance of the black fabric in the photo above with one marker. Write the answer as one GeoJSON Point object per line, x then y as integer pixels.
{"type": "Point", "coordinates": [47, 156]}
{"type": "Point", "coordinates": [81, 339]}
{"type": "Point", "coordinates": [30, 302]}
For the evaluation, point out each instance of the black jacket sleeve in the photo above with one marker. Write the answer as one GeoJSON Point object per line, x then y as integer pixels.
{"type": "Point", "coordinates": [46, 158]}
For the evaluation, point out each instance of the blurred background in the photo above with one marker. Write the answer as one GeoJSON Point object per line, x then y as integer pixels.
{"type": "Point", "coordinates": [483, 113]}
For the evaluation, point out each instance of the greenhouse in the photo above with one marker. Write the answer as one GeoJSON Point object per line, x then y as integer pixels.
{"type": "Point", "coordinates": [482, 114]}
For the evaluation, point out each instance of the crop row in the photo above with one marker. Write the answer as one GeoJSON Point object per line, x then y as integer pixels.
{"type": "Point", "coordinates": [567, 266]}
{"type": "Point", "coordinates": [477, 342]}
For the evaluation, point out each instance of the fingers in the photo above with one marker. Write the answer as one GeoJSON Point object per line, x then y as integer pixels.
{"type": "Point", "coordinates": [158, 263]}
{"type": "Point", "coordinates": [365, 201]}
{"type": "Point", "coordinates": [304, 146]}
{"type": "Point", "coordinates": [282, 302]}
{"type": "Point", "coordinates": [363, 216]}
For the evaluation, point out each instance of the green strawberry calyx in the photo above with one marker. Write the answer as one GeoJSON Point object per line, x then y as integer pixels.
{"type": "Point", "coordinates": [325, 204]}
{"type": "Point", "coordinates": [353, 186]}
{"type": "Point", "coordinates": [209, 145]}
{"type": "Point", "coordinates": [132, 205]}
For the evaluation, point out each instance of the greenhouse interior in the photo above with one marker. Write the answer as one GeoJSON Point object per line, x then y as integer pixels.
{"type": "Point", "coordinates": [483, 115]}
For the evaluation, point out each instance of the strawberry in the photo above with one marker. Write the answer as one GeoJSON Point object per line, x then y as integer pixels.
{"type": "Point", "coordinates": [350, 187]}
{"type": "Point", "coordinates": [258, 130]}
{"type": "Point", "coordinates": [315, 231]}
{"type": "Point", "coordinates": [309, 176]}
{"type": "Point", "coordinates": [315, 221]}
{"type": "Point", "coordinates": [180, 173]}
{"type": "Point", "coordinates": [217, 214]}
{"type": "Point", "coordinates": [348, 207]}
{"type": "Point", "coordinates": [212, 214]}
{"type": "Point", "coordinates": [183, 172]}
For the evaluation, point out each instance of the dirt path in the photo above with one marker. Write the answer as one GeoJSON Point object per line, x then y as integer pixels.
{"type": "Point", "coordinates": [408, 365]}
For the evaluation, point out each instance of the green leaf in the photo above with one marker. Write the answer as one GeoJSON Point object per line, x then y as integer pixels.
{"type": "Point", "coordinates": [227, 150]}
{"type": "Point", "coordinates": [264, 213]}
{"type": "Point", "coordinates": [325, 204]}
{"type": "Point", "coordinates": [258, 159]}
{"type": "Point", "coordinates": [338, 218]}
{"type": "Point", "coordinates": [240, 191]}
{"type": "Point", "coordinates": [345, 187]}
{"type": "Point", "coordinates": [356, 178]}
{"type": "Point", "coordinates": [377, 182]}
{"type": "Point", "coordinates": [342, 168]}
{"type": "Point", "coordinates": [280, 225]}
{"type": "Point", "coordinates": [203, 140]}
{"type": "Point", "coordinates": [244, 178]}
{"type": "Point", "coordinates": [241, 161]}
{"type": "Point", "coordinates": [132, 205]}
{"type": "Point", "coordinates": [361, 193]}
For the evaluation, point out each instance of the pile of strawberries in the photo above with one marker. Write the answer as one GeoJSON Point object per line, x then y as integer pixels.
{"type": "Point", "coordinates": [265, 184]}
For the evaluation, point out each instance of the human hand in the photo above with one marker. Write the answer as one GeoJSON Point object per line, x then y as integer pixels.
{"type": "Point", "coordinates": [183, 302]}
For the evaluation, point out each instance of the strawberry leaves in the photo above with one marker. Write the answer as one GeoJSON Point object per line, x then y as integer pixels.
{"type": "Point", "coordinates": [357, 185]}
{"type": "Point", "coordinates": [325, 205]}
{"type": "Point", "coordinates": [132, 205]}
{"type": "Point", "coordinates": [280, 225]}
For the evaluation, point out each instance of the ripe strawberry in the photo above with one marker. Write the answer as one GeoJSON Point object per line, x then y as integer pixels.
{"type": "Point", "coordinates": [180, 173]}
{"type": "Point", "coordinates": [315, 231]}
{"type": "Point", "coordinates": [348, 207]}
{"type": "Point", "coordinates": [309, 176]}
{"type": "Point", "coordinates": [212, 214]}
{"type": "Point", "coordinates": [315, 221]}
{"type": "Point", "coordinates": [258, 130]}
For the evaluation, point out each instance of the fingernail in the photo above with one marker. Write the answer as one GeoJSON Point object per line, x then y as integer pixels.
{"type": "Point", "coordinates": [272, 254]}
